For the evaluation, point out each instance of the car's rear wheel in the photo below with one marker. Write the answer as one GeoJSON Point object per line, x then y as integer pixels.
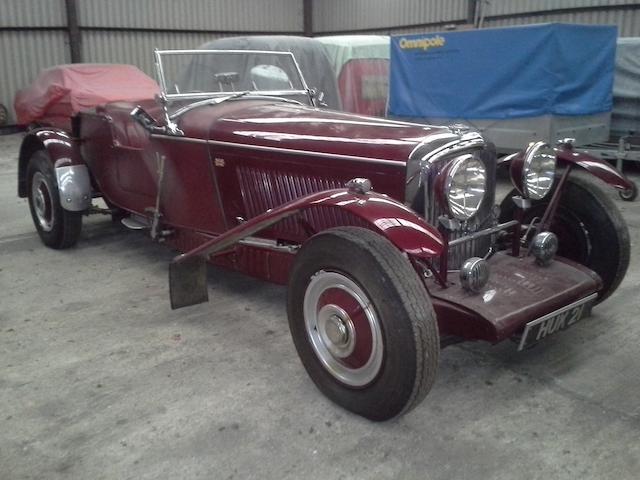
{"type": "Point", "coordinates": [590, 229]}
{"type": "Point", "coordinates": [362, 323]}
{"type": "Point", "coordinates": [57, 227]}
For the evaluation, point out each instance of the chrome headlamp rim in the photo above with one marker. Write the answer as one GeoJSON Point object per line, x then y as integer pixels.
{"type": "Point", "coordinates": [532, 154]}
{"type": "Point", "coordinates": [451, 172]}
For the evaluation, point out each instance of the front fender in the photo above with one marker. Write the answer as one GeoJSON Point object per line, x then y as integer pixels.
{"type": "Point", "coordinates": [398, 223]}
{"type": "Point", "coordinates": [393, 220]}
{"type": "Point", "coordinates": [596, 166]}
{"type": "Point", "coordinates": [74, 182]}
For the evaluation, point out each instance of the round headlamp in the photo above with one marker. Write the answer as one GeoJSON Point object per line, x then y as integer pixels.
{"type": "Point", "coordinates": [465, 185]}
{"type": "Point", "coordinates": [538, 171]}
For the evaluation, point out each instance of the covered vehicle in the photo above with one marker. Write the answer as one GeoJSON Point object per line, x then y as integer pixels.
{"type": "Point", "coordinates": [361, 65]}
{"type": "Point", "coordinates": [385, 232]}
{"type": "Point", "coordinates": [63, 91]}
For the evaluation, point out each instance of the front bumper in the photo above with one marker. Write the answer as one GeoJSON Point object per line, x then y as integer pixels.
{"type": "Point", "coordinates": [518, 291]}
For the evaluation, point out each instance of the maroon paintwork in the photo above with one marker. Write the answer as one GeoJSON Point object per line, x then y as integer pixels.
{"type": "Point", "coordinates": [275, 170]}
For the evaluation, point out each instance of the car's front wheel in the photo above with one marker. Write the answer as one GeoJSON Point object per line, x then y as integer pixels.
{"type": "Point", "coordinates": [362, 323]}
{"type": "Point", "coordinates": [590, 229]}
{"type": "Point", "coordinates": [57, 227]}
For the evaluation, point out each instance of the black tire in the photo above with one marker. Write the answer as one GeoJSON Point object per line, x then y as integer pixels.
{"type": "Point", "coordinates": [58, 228]}
{"type": "Point", "coordinates": [397, 300]}
{"type": "Point", "coordinates": [629, 195]}
{"type": "Point", "coordinates": [590, 229]}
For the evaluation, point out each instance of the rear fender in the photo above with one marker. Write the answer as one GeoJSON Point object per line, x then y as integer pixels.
{"type": "Point", "coordinates": [74, 182]}
{"type": "Point", "coordinates": [393, 220]}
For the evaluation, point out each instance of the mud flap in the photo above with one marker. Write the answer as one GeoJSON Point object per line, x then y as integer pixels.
{"type": "Point", "coordinates": [188, 282]}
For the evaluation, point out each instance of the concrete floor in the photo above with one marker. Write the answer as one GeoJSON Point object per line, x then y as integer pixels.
{"type": "Point", "coordinates": [100, 379]}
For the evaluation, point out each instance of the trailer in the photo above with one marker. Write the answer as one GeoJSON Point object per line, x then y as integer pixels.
{"type": "Point", "coordinates": [515, 85]}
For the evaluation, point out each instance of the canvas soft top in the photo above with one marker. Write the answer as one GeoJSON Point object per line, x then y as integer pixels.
{"type": "Point", "coordinates": [308, 52]}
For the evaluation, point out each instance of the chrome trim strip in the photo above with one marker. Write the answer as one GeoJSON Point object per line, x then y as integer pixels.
{"type": "Point", "coordinates": [180, 139]}
{"type": "Point", "coordinates": [482, 233]}
{"type": "Point", "coordinates": [261, 93]}
{"type": "Point", "coordinates": [292, 151]}
{"type": "Point", "coordinates": [535, 322]}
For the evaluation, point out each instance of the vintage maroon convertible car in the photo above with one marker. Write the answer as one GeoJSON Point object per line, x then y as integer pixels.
{"type": "Point", "coordinates": [385, 232]}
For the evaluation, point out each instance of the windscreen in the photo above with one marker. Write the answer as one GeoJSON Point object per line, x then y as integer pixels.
{"type": "Point", "coordinates": [200, 73]}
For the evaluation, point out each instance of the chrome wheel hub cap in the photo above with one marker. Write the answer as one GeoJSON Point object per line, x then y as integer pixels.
{"type": "Point", "coordinates": [42, 202]}
{"type": "Point", "coordinates": [343, 328]}
{"type": "Point", "coordinates": [336, 330]}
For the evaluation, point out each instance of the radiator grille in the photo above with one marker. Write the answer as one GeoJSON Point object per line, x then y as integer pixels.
{"type": "Point", "coordinates": [264, 189]}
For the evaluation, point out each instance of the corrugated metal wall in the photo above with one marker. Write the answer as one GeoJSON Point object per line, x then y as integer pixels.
{"type": "Point", "coordinates": [218, 15]}
{"type": "Point", "coordinates": [25, 51]}
{"type": "Point", "coordinates": [510, 7]}
{"type": "Point", "coordinates": [624, 14]}
{"type": "Point", "coordinates": [415, 16]}
{"type": "Point", "coordinates": [32, 13]}
{"type": "Point", "coordinates": [33, 33]}
{"type": "Point", "coordinates": [330, 16]}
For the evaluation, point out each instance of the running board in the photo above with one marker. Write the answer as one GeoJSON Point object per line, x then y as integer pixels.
{"type": "Point", "coordinates": [136, 222]}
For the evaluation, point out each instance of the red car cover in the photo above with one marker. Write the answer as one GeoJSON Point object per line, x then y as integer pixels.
{"type": "Point", "coordinates": [60, 92]}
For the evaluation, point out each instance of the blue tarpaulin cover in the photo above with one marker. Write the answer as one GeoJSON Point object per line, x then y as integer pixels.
{"type": "Point", "coordinates": [502, 73]}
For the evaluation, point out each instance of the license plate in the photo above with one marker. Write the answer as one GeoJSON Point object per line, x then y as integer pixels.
{"type": "Point", "coordinates": [553, 322]}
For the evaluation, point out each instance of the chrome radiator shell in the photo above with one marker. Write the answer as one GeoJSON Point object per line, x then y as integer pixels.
{"type": "Point", "coordinates": [424, 166]}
